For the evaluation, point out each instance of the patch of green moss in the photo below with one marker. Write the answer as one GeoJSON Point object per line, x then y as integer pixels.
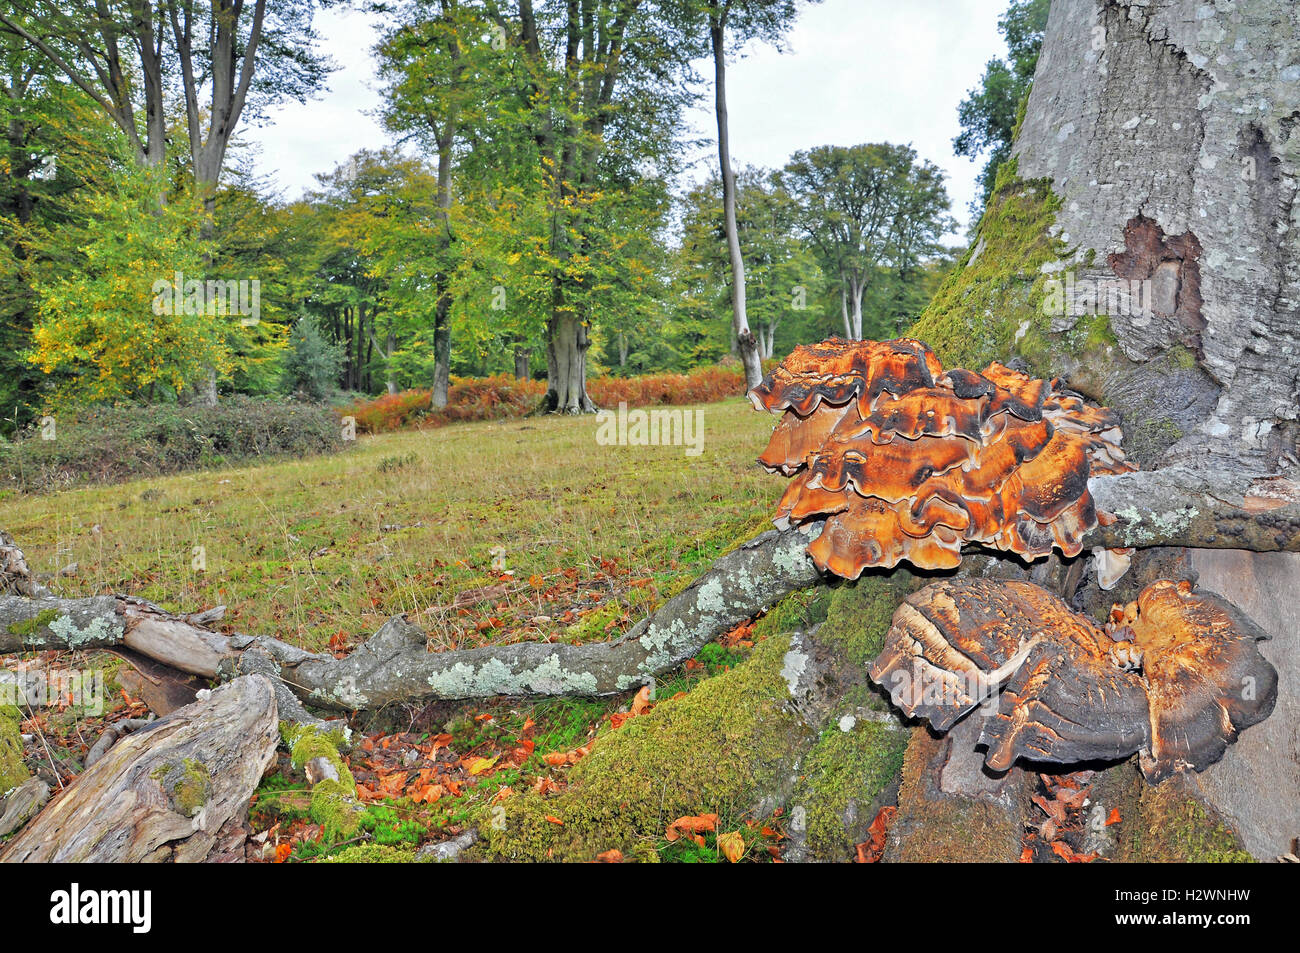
{"type": "Point", "coordinates": [1173, 827]}
{"type": "Point", "coordinates": [934, 828]}
{"type": "Point", "coordinates": [12, 770]}
{"type": "Point", "coordinates": [333, 802]}
{"type": "Point", "coordinates": [991, 305]}
{"type": "Point", "coordinates": [26, 628]}
{"type": "Point", "coordinates": [371, 854]}
{"type": "Point", "coordinates": [859, 614]}
{"type": "Point", "coordinates": [719, 749]}
{"type": "Point", "coordinates": [1182, 357]}
{"type": "Point", "coordinates": [842, 775]}
{"type": "Point", "coordinates": [188, 784]}
{"type": "Point", "coordinates": [797, 612]}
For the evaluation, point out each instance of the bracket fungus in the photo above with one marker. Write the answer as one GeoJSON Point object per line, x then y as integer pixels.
{"type": "Point", "coordinates": [1174, 676]}
{"type": "Point", "coordinates": [907, 461]}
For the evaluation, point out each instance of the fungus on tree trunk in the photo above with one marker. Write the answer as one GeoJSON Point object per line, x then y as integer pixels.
{"type": "Point", "coordinates": [1174, 676]}
{"type": "Point", "coordinates": [907, 461]}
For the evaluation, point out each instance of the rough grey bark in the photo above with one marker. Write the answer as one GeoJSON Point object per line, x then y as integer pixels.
{"type": "Point", "coordinates": [177, 790]}
{"type": "Point", "coordinates": [1257, 783]}
{"type": "Point", "coordinates": [1170, 130]}
{"type": "Point", "coordinates": [394, 664]}
{"type": "Point", "coordinates": [567, 342]}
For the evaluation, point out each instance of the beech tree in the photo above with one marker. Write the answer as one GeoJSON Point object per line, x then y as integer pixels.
{"type": "Point", "coordinates": [865, 208]}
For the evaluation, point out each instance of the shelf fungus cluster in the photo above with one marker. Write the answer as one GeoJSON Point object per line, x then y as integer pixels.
{"type": "Point", "coordinates": [906, 461]}
{"type": "Point", "coordinates": [1173, 676]}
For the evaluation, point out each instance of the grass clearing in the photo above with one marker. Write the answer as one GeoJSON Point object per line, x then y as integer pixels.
{"type": "Point", "coordinates": [320, 551]}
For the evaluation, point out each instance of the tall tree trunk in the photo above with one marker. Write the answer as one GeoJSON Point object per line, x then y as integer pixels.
{"type": "Point", "coordinates": [566, 365]}
{"type": "Point", "coordinates": [749, 353]}
{"type": "Point", "coordinates": [390, 381]}
{"type": "Point", "coordinates": [1174, 106]}
{"type": "Point", "coordinates": [523, 357]}
{"type": "Point", "coordinates": [442, 311]}
{"type": "Point", "coordinates": [858, 289]}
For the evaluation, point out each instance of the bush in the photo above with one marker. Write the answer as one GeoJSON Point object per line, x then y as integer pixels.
{"type": "Point", "coordinates": [108, 444]}
{"type": "Point", "coordinates": [502, 396]}
{"type": "Point", "coordinates": [312, 363]}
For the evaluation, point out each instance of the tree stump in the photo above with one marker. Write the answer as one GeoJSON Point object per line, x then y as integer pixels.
{"type": "Point", "coordinates": [175, 791]}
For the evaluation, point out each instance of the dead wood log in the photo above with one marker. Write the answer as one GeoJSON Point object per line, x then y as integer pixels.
{"type": "Point", "coordinates": [394, 665]}
{"type": "Point", "coordinates": [177, 790]}
{"type": "Point", "coordinates": [1177, 506]}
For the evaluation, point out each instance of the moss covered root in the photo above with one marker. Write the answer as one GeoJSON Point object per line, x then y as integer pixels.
{"type": "Point", "coordinates": [12, 770]}
{"type": "Point", "coordinates": [722, 749]}
{"type": "Point", "coordinates": [1172, 826]}
{"type": "Point", "coordinates": [843, 777]}
{"type": "Point", "coordinates": [334, 803]}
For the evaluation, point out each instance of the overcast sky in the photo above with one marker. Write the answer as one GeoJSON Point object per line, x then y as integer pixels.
{"type": "Point", "coordinates": [852, 71]}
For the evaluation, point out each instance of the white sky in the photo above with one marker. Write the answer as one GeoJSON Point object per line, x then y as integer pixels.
{"type": "Point", "coordinates": [853, 71]}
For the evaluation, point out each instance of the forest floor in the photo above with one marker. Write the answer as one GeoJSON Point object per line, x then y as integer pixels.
{"type": "Point", "coordinates": [322, 550]}
{"type": "Point", "coordinates": [482, 533]}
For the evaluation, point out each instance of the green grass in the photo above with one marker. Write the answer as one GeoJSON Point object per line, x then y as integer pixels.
{"type": "Point", "coordinates": [403, 522]}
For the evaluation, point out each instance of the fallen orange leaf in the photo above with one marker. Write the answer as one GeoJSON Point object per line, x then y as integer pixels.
{"type": "Point", "coordinates": [691, 824]}
{"type": "Point", "coordinates": [732, 845]}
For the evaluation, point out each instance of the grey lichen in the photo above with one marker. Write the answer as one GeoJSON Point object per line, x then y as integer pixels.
{"type": "Point", "coordinates": [69, 633]}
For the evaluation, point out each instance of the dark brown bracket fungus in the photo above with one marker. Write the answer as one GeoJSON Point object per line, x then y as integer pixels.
{"type": "Point", "coordinates": [906, 461]}
{"type": "Point", "coordinates": [1174, 676]}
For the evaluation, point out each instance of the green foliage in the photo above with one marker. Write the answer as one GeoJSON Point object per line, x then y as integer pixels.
{"type": "Point", "coordinates": [874, 213]}
{"type": "Point", "coordinates": [312, 364]}
{"type": "Point", "coordinates": [990, 114]}
{"type": "Point", "coordinates": [111, 325]}
{"type": "Point", "coordinates": [107, 444]}
{"type": "Point", "coordinates": [389, 828]}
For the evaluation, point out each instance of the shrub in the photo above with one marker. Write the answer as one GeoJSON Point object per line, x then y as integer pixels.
{"type": "Point", "coordinates": [107, 444]}
{"type": "Point", "coordinates": [503, 396]}
{"type": "Point", "coordinates": [312, 363]}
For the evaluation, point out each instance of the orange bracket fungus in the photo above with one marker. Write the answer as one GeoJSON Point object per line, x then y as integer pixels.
{"type": "Point", "coordinates": [1173, 676]}
{"type": "Point", "coordinates": [906, 461]}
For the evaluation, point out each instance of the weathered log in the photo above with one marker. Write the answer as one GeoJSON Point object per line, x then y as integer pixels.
{"type": "Point", "coordinates": [22, 804]}
{"type": "Point", "coordinates": [175, 791]}
{"type": "Point", "coordinates": [394, 664]}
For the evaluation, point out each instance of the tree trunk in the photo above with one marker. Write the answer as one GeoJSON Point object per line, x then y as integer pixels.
{"type": "Point", "coordinates": [442, 312]}
{"type": "Point", "coordinates": [523, 356]}
{"type": "Point", "coordinates": [566, 366]}
{"type": "Point", "coordinates": [1176, 164]}
{"type": "Point", "coordinates": [749, 351]}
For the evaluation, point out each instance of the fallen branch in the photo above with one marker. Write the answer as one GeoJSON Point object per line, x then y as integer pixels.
{"type": "Point", "coordinates": [1198, 506]}
{"type": "Point", "coordinates": [1177, 506]}
{"type": "Point", "coordinates": [394, 665]}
